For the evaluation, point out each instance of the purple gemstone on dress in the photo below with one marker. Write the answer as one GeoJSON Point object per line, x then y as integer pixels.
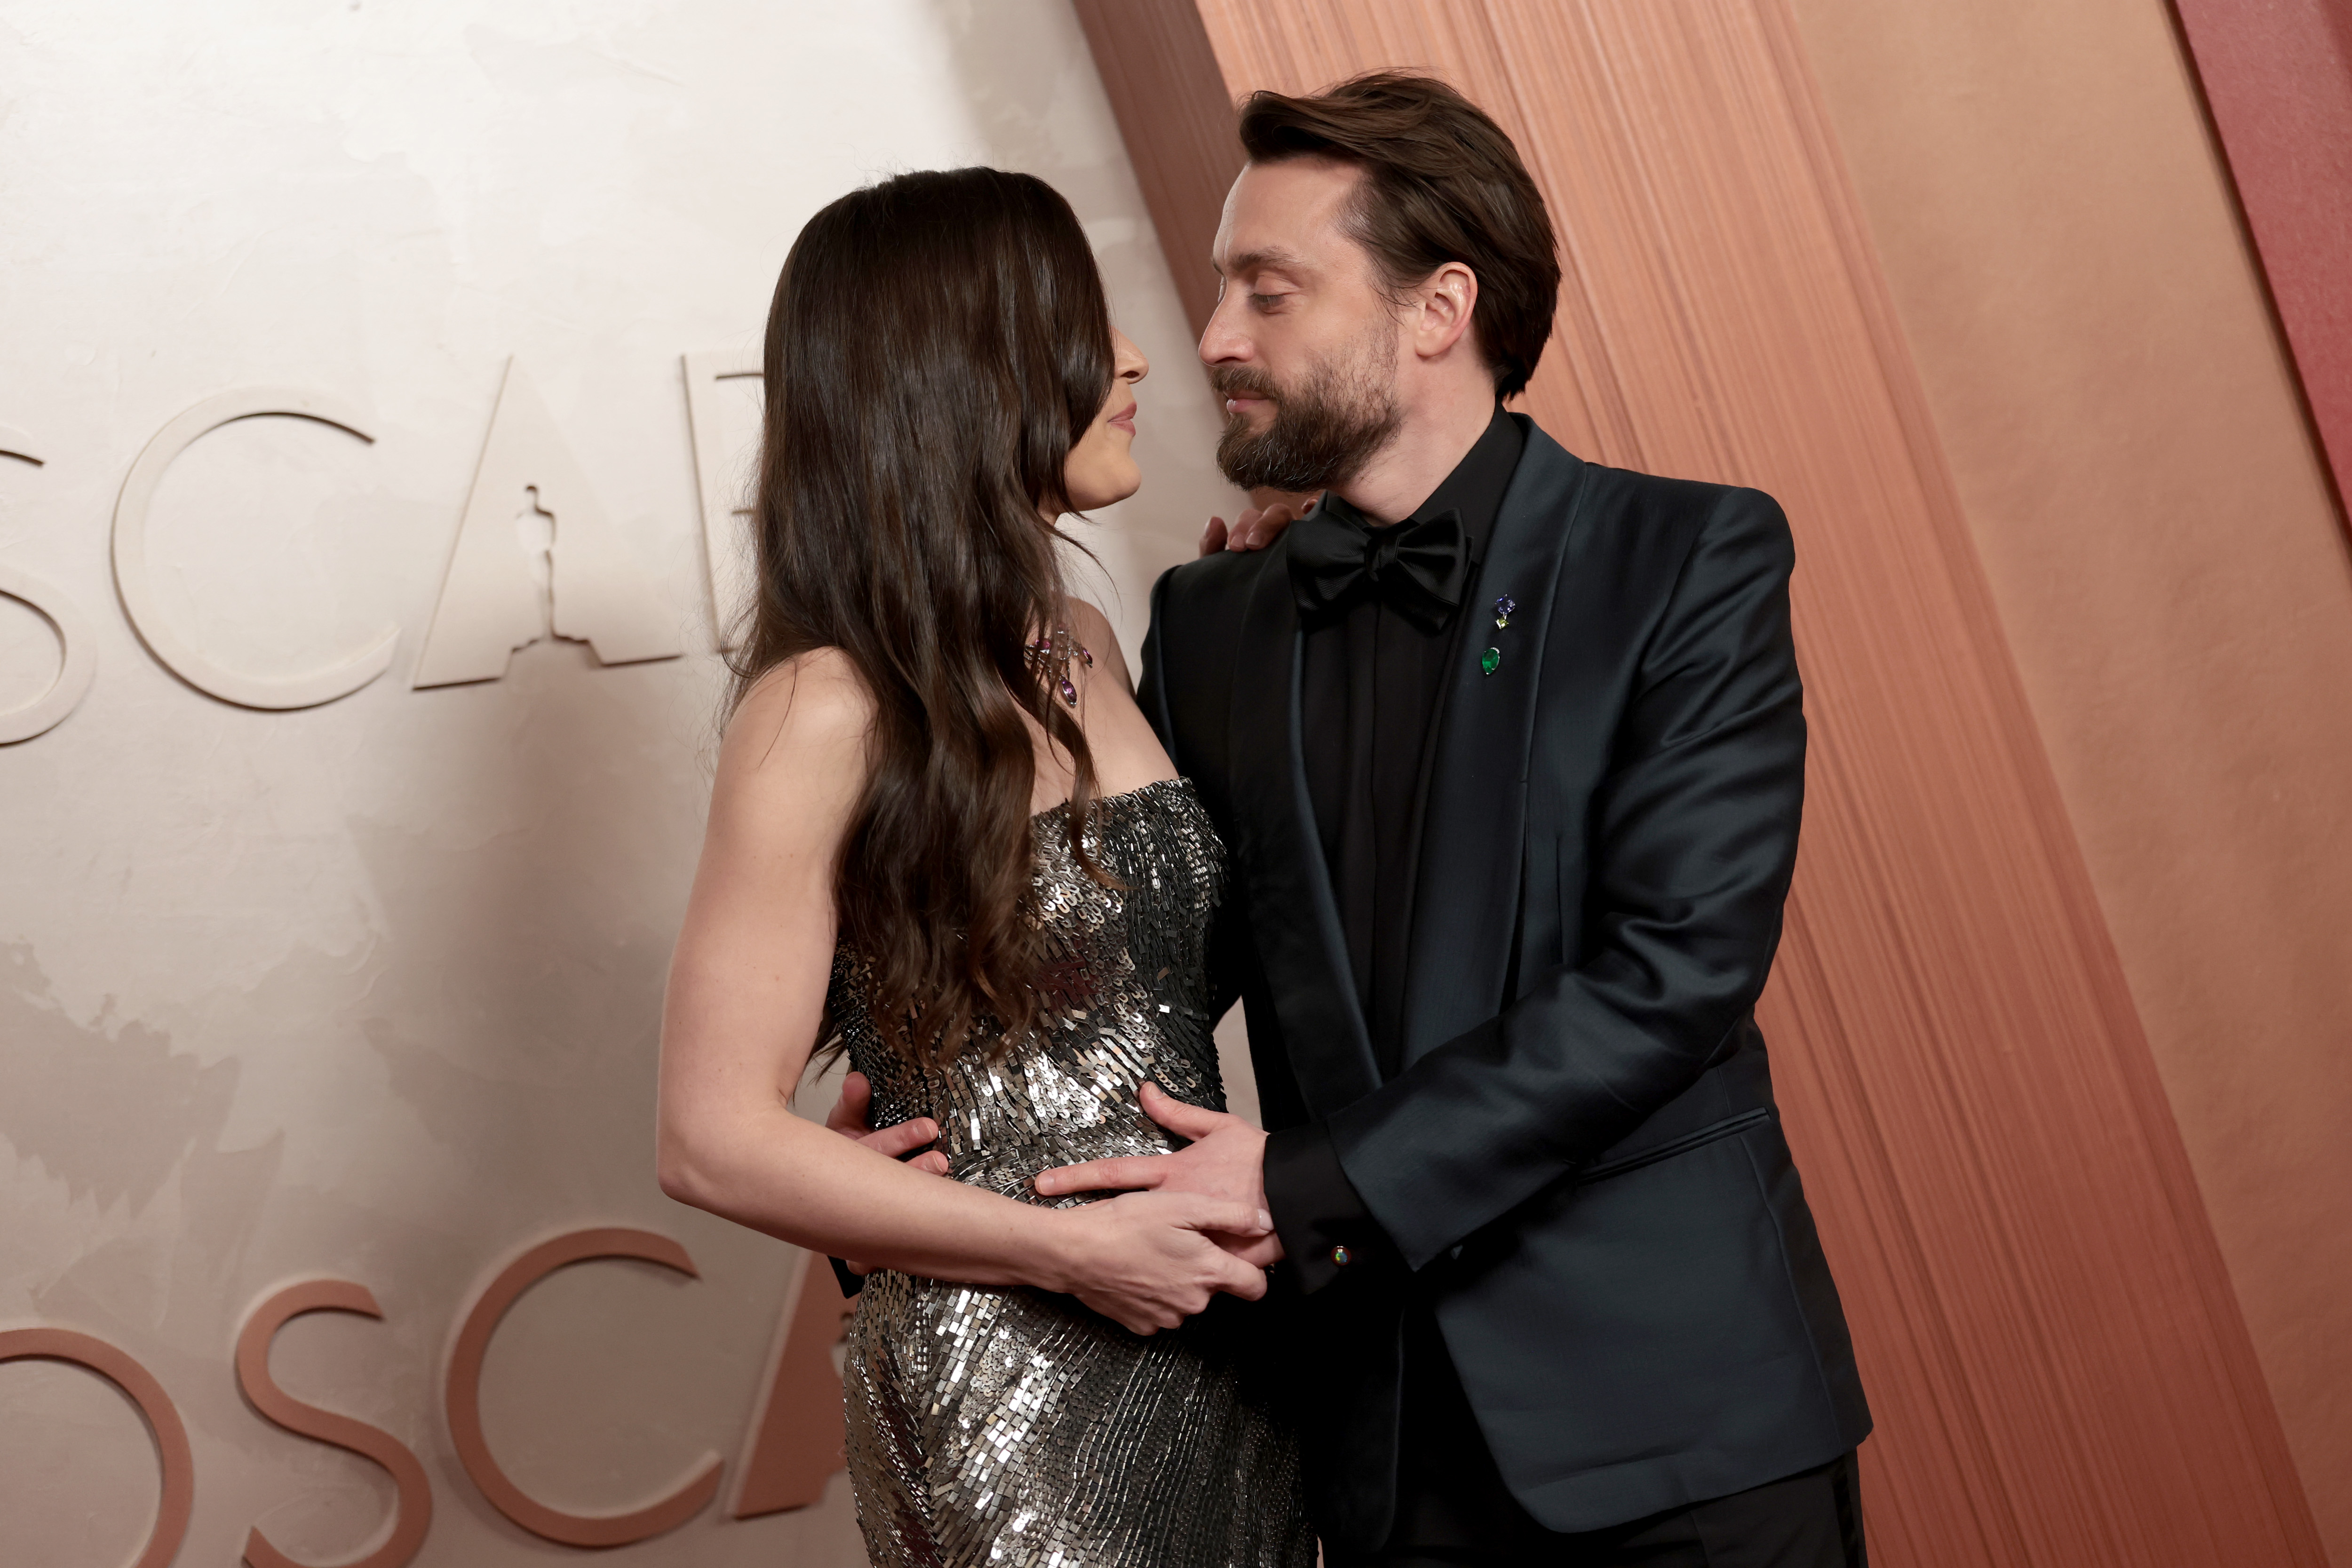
{"type": "Point", "coordinates": [1506, 604]}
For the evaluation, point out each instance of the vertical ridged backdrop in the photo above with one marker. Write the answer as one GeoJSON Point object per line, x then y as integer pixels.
{"type": "Point", "coordinates": [2058, 1365]}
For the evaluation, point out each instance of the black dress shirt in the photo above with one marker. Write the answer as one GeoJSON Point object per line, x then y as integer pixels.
{"type": "Point", "coordinates": [1371, 686]}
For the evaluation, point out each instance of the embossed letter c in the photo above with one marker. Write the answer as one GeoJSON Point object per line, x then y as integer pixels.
{"type": "Point", "coordinates": [340, 678]}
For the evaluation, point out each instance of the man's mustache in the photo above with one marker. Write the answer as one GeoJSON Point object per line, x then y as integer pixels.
{"type": "Point", "coordinates": [1242, 381]}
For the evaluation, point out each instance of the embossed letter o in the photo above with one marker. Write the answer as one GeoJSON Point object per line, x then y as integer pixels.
{"type": "Point", "coordinates": [162, 1420]}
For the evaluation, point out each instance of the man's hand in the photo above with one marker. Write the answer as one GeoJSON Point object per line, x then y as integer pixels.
{"type": "Point", "coordinates": [1150, 1260]}
{"type": "Point", "coordinates": [848, 1118]}
{"type": "Point", "coordinates": [1226, 1160]}
{"type": "Point", "coordinates": [1255, 528]}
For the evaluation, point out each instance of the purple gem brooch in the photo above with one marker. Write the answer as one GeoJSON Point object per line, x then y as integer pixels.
{"type": "Point", "coordinates": [1050, 656]}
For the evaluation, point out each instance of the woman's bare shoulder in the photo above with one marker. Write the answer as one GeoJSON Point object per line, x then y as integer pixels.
{"type": "Point", "coordinates": [810, 713]}
{"type": "Point", "coordinates": [813, 696]}
{"type": "Point", "coordinates": [1099, 637]}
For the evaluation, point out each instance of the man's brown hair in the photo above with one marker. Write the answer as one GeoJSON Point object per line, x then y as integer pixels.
{"type": "Point", "coordinates": [1440, 183]}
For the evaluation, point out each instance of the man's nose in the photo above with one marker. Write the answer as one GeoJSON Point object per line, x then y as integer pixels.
{"type": "Point", "coordinates": [1220, 342]}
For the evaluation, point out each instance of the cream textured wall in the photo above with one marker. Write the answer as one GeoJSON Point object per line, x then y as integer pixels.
{"type": "Point", "coordinates": [370, 990]}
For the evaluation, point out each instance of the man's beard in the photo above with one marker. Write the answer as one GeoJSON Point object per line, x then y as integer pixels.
{"type": "Point", "coordinates": [1323, 430]}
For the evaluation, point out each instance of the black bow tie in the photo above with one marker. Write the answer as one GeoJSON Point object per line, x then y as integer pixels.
{"type": "Point", "coordinates": [1417, 569]}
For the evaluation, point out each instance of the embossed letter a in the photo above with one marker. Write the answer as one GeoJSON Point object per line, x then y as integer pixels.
{"type": "Point", "coordinates": [490, 604]}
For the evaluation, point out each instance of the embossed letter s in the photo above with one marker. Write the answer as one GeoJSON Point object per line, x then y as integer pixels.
{"type": "Point", "coordinates": [412, 1513]}
{"type": "Point", "coordinates": [77, 648]}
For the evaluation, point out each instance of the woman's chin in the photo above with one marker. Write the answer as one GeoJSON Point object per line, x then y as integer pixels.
{"type": "Point", "coordinates": [1108, 490]}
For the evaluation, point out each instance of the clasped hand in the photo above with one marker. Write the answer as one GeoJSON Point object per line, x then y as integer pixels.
{"type": "Point", "coordinates": [1224, 1159]}
{"type": "Point", "coordinates": [1185, 1226]}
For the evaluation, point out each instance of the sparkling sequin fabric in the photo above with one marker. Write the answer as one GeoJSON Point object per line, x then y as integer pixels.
{"type": "Point", "coordinates": [1016, 1427]}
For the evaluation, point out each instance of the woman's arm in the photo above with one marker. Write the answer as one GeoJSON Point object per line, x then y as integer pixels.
{"type": "Point", "coordinates": [746, 999]}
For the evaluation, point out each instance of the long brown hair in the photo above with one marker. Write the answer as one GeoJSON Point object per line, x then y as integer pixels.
{"type": "Point", "coordinates": [938, 342]}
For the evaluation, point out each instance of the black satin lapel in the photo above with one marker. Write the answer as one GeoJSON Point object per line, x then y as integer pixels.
{"type": "Point", "coordinates": [1292, 913]}
{"type": "Point", "coordinates": [1474, 823]}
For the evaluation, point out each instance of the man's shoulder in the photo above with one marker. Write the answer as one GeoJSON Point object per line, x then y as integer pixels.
{"type": "Point", "coordinates": [1649, 514]}
{"type": "Point", "coordinates": [1197, 611]}
{"type": "Point", "coordinates": [1211, 591]}
{"type": "Point", "coordinates": [1629, 495]}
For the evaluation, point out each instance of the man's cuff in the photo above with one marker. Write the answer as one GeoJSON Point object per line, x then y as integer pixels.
{"type": "Point", "coordinates": [1326, 1229]}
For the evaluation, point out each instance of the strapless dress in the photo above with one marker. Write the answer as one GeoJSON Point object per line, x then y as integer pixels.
{"type": "Point", "coordinates": [1017, 1427]}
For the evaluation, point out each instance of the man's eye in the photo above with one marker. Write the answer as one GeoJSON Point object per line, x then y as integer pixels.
{"type": "Point", "coordinates": [1267, 301]}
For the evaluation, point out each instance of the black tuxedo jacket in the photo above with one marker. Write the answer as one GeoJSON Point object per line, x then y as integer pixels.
{"type": "Point", "coordinates": [1579, 1161]}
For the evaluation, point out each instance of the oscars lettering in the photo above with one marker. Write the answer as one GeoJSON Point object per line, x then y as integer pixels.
{"type": "Point", "coordinates": [597, 591]}
{"type": "Point", "coordinates": [593, 588]}
{"type": "Point", "coordinates": [795, 1442]}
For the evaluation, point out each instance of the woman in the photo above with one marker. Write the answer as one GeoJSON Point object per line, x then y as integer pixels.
{"type": "Point", "coordinates": [943, 832]}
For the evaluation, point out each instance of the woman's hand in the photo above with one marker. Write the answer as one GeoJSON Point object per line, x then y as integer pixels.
{"type": "Point", "coordinates": [852, 1117]}
{"type": "Point", "coordinates": [1223, 1157]}
{"type": "Point", "coordinates": [1255, 526]}
{"type": "Point", "coordinates": [1147, 1266]}
{"type": "Point", "coordinates": [1146, 1260]}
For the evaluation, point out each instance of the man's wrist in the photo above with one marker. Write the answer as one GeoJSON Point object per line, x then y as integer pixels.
{"type": "Point", "coordinates": [1326, 1229]}
{"type": "Point", "coordinates": [1257, 1171]}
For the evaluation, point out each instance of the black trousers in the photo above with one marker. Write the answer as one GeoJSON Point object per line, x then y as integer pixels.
{"type": "Point", "coordinates": [1452, 1508]}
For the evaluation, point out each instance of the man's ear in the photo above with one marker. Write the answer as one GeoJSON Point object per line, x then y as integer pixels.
{"type": "Point", "coordinates": [1443, 303]}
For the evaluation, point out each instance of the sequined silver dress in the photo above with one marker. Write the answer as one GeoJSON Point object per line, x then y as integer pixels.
{"type": "Point", "coordinates": [1016, 1426]}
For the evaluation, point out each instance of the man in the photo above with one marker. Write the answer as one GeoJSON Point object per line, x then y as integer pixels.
{"type": "Point", "coordinates": [1508, 750]}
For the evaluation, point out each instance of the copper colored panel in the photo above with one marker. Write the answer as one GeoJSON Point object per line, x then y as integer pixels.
{"type": "Point", "coordinates": [412, 1502]}
{"type": "Point", "coordinates": [464, 1397]}
{"type": "Point", "coordinates": [797, 1432]}
{"type": "Point", "coordinates": [2088, 317]}
{"type": "Point", "coordinates": [2059, 1369]}
{"type": "Point", "coordinates": [1156, 63]}
{"type": "Point", "coordinates": [2278, 79]}
{"type": "Point", "coordinates": [162, 1420]}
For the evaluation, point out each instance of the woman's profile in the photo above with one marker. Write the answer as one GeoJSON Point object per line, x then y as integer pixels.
{"type": "Point", "coordinates": [943, 836]}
